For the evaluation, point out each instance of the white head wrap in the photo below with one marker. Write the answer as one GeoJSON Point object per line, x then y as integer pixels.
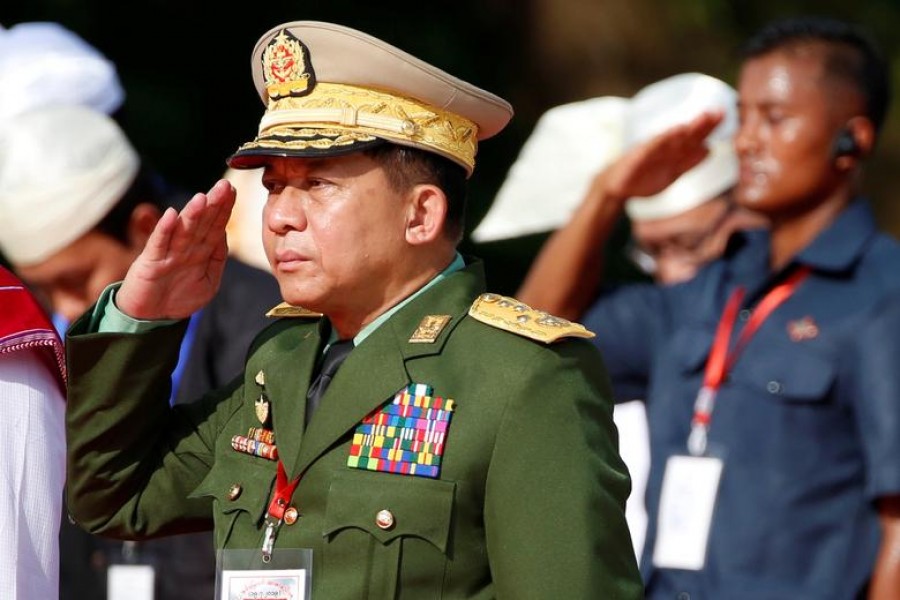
{"type": "Point", "coordinates": [43, 63]}
{"type": "Point", "coordinates": [573, 142]}
{"type": "Point", "coordinates": [62, 168]}
{"type": "Point", "coordinates": [569, 145]}
{"type": "Point", "coordinates": [673, 101]}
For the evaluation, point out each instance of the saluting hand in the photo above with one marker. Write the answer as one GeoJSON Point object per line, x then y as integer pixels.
{"type": "Point", "coordinates": [180, 268]}
{"type": "Point", "coordinates": [651, 167]}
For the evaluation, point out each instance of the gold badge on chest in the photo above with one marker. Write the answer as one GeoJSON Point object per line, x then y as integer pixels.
{"type": "Point", "coordinates": [263, 412]}
{"type": "Point", "coordinates": [259, 441]}
{"type": "Point", "coordinates": [429, 329]}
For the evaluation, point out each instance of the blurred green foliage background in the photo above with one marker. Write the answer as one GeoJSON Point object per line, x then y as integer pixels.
{"type": "Point", "coordinates": [190, 100]}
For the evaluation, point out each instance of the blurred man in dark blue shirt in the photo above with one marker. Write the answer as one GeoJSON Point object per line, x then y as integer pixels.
{"type": "Point", "coordinates": [775, 443]}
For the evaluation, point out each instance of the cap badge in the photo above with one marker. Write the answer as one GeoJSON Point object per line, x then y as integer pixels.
{"type": "Point", "coordinates": [285, 67]}
{"type": "Point", "coordinates": [429, 329]}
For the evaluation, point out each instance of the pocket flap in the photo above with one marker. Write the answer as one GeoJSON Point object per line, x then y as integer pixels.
{"type": "Point", "coordinates": [418, 506]}
{"type": "Point", "coordinates": [239, 483]}
{"type": "Point", "coordinates": [790, 373]}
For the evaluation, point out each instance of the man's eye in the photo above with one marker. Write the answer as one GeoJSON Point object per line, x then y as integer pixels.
{"type": "Point", "coordinates": [775, 116]}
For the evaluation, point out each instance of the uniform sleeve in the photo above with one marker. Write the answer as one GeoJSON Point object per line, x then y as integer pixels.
{"type": "Point", "coordinates": [877, 397]}
{"type": "Point", "coordinates": [32, 467]}
{"type": "Point", "coordinates": [132, 459]}
{"type": "Point", "coordinates": [556, 486]}
{"type": "Point", "coordinates": [628, 323]}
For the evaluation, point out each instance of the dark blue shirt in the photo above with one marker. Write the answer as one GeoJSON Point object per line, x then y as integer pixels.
{"type": "Point", "coordinates": [808, 421]}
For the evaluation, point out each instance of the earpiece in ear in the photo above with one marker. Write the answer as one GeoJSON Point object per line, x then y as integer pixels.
{"type": "Point", "coordinates": [845, 144]}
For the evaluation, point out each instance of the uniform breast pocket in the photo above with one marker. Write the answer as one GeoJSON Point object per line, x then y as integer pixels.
{"type": "Point", "coordinates": [384, 529]}
{"type": "Point", "coordinates": [788, 373]}
{"type": "Point", "coordinates": [240, 487]}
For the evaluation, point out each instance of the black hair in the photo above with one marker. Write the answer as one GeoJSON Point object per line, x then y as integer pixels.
{"type": "Point", "coordinates": [146, 188]}
{"type": "Point", "coordinates": [406, 167]}
{"type": "Point", "coordinates": [850, 55]}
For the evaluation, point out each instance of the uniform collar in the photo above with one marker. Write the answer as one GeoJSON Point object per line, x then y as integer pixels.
{"type": "Point", "coordinates": [455, 265]}
{"type": "Point", "coordinates": [377, 368]}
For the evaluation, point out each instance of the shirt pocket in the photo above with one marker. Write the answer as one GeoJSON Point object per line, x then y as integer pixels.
{"type": "Point", "coordinates": [382, 528]}
{"type": "Point", "coordinates": [240, 487]}
{"type": "Point", "coordinates": [786, 372]}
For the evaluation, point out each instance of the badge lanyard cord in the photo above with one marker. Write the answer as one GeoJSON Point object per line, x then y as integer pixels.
{"type": "Point", "coordinates": [277, 507]}
{"type": "Point", "coordinates": [284, 489]}
{"type": "Point", "coordinates": [721, 361]}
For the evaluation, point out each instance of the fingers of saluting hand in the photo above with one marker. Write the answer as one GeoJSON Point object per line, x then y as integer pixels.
{"type": "Point", "coordinates": [691, 135]}
{"type": "Point", "coordinates": [684, 146]}
{"type": "Point", "coordinates": [198, 230]}
{"type": "Point", "coordinates": [702, 125]}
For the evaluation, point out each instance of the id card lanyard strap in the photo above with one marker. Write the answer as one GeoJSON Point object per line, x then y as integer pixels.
{"type": "Point", "coordinates": [284, 489]}
{"type": "Point", "coordinates": [721, 361]}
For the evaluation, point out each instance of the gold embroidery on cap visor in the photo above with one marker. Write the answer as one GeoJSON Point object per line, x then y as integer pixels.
{"type": "Point", "coordinates": [335, 117]}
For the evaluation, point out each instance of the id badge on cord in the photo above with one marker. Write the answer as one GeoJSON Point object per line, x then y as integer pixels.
{"type": "Point", "coordinates": [242, 575]}
{"type": "Point", "coordinates": [688, 498]}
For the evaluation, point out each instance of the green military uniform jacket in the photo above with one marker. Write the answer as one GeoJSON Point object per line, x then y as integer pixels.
{"type": "Point", "coordinates": [529, 501]}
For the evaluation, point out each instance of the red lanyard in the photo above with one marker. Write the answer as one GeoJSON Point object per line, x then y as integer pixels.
{"type": "Point", "coordinates": [277, 507]}
{"type": "Point", "coordinates": [721, 361]}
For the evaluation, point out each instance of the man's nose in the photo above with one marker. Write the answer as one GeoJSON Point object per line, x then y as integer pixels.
{"type": "Point", "coordinates": [285, 212]}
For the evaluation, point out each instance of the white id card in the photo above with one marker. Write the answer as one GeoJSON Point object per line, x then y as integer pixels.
{"type": "Point", "coordinates": [243, 575]}
{"type": "Point", "coordinates": [270, 584]}
{"type": "Point", "coordinates": [129, 582]}
{"type": "Point", "coordinates": [689, 488]}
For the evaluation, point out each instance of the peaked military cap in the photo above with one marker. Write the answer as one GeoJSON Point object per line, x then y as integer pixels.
{"type": "Point", "coordinates": [331, 90]}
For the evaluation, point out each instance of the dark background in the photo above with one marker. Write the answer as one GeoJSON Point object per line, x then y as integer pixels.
{"type": "Point", "coordinates": [190, 100]}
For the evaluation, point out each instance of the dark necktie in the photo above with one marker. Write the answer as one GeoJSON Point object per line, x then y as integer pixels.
{"type": "Point", "coordinates": [333, 358]}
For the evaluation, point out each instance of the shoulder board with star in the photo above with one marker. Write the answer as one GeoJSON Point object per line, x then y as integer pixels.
{"type": "Point", "coordinates": [288, 310]}
{"type": "Point", "coordinates": [511, 315]}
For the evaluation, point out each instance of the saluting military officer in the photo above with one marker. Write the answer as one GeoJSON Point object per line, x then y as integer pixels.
{"type": "Point", "coordinates": [464, 448]}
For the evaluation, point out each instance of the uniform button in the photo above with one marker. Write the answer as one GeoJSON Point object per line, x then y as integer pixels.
{"type": "Point", "coordinates": [773, 387]}
{"type": "Point", "coordinates": [743, 316]}
{"type": "Point", "coordinates": [234, 492]}
{"type": "Point", "coordinates": [384, 519]}
{"type": "Point", "coordinates": [291, 515]}
{"type": "Point", "coordinates": [683, 596]}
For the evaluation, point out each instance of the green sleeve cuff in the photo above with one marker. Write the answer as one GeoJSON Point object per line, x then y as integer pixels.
{"type": "Point", "coordinates": [107, 318]}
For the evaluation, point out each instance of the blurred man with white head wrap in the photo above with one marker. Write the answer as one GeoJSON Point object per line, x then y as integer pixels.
{"type": "Point", "coordinates": [77, 205]}
{"type": "Point", "coordinates": [677, 201]}
{"type": "Point", "coordinates": [41, 64]}
{"type": "Point", "coordinates": [613, 155]}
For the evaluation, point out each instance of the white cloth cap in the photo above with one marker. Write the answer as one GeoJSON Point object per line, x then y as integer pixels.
{"type": "Point", "coordinates": [674, 101]}
{"type": "Point", "coordinates": [62, 168]}
{"type": "Point", "coordinates": [43, 63]}
{"type": "Point", "coordinates": [570, 144]}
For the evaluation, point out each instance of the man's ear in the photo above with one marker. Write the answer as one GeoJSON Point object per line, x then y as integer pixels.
{"type": "Point", "coordinates": [427, 213]}
{"type": "Point", "coordinates": [141, 223]}
{"type": "Point", "coordinates": [858, 135]}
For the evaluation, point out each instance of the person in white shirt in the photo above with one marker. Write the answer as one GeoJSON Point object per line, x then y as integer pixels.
{"type": "Point", "coordinates": [32, 449]}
